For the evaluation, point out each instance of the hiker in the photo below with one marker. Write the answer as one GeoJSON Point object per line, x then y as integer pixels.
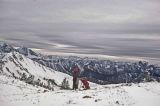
{"type": "Point", "coordinates": [75, 72]}
{"type": "Point", "coordinates": [85, 83]}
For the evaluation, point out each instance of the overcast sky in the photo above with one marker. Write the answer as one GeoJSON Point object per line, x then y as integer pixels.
{"type": "Point", "coordinates": [108, 27]}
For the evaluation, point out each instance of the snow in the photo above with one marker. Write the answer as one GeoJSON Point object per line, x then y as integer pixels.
{"type": "Point", "coordinates": [145, 94]}
{"type": "Point", "coordinates": [14, 92]}
{"type": "Point", "coordinates": [34, 68]}
{"type": "Point", "coordinates": [17, 93]}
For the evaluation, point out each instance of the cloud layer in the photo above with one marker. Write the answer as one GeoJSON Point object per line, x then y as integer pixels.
{"type": "Point", "coordinates": [109, 27]}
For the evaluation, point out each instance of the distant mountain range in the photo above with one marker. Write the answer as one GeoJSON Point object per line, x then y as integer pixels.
{"type": "Point", "coordinates": [96, 70]}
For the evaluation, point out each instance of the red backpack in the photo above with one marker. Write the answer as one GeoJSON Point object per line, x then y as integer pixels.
{"type": "Point", "coordinates": [85, 83]}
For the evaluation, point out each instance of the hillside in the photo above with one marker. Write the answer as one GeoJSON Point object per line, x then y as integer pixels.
{"type": "Point", "coordinates": [17, 93]}
{"type": "Point", "coordinates": [20, 67]}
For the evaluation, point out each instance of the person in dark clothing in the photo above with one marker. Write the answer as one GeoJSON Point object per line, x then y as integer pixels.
{"type": "Point", "coordinates": [75, 72]}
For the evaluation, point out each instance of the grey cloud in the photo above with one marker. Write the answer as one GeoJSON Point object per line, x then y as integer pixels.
{"type": "Point", "coordinates": [110, 27]}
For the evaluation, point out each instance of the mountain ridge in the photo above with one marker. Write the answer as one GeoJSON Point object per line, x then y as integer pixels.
{"type": "Point", "coordinates": [96, 70]}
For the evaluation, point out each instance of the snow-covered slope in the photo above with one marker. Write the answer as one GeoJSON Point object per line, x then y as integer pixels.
{"type": "Point", "coordinates": [17, 93]}
{"type": "Point", "coordinates": [19, 67]}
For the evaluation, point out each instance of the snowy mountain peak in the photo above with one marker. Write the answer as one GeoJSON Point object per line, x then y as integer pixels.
{"type": "Point", "coordinates": [19, 67]}
{"type": "Point", "coordinates": [27, 52]}
{"type": "Point", "coordinates": [4, 47]}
